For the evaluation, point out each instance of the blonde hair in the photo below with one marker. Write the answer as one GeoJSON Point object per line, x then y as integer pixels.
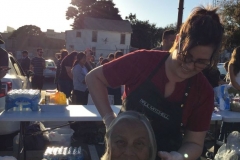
{"type": "Point", "coordinates": [131, 115]}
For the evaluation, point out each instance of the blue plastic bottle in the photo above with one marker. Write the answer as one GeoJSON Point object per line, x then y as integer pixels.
{"type": "Point", "coordinates": [79, 154]}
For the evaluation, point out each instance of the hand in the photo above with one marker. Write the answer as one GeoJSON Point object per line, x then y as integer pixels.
{"type": "Point", "coordinates": [108, 118]}
{"type": "Point", "coordinates": [3, 71]}
{"type": "Point", "coordinates": [170, 155]}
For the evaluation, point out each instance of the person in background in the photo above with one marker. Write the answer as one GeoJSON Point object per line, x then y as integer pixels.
{"type": "Point", "coordinates": [25, 61]}
{"type": "Point", "coordinates": [89, 64]}
{"type": "Point", "coordinates": [234, 71]}
{"type": "Point", "coordinates": [79, 71]}
{"type": "Point", "coordinates": [3, 61]}
{"type": "Point", "coordinates": [167, 86]}
{"type": "Point", "coordinates": [65, 79]}
{"type": "Point", "coordinates": [130, 136]}
{"type": "Point", "coordinates": [213, 76]}
{"type": "Point", "coordinates": [110, 57]}
{"type": "Point", "coordinates": [99, 62]}
{"type": "Point", "coordinates": [93, 61]}
{"type": "Point", "coordinates": [116, 92]}
{"type": "Point", "coordinates": [168, 38]}
{"type": "Point", "coordinates": [63, 53]}
{"type": "Point", "coordinates": [118, 54]}
{"type": "Point", "coordinates": [37, 66]}
{"type": "Point", "coordinates": [104, 61]}
{"type": "Point", "coordinates": [226, 78]}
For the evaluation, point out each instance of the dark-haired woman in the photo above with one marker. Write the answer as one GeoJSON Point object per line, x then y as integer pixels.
{"type": "Point", "coordinates": [65, 81]}
{"type": "Point", "coordinates": [79, 71]}
{"type": "Point", "coordinates": [167, 86]}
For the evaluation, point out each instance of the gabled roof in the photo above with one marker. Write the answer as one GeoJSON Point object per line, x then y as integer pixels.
{"type": "Point", "coordinates": [107, 25]}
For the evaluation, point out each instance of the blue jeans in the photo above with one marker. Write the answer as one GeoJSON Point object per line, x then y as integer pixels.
{"type": "Point", "coordinates": [66, 87]}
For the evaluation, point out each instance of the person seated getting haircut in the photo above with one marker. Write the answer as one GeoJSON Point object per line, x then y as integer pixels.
{"type": "Point", "coordinates": [130, 136]}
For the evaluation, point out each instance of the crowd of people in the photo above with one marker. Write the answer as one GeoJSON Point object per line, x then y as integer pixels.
{"type": "Point", "coordinates": [72, 70]}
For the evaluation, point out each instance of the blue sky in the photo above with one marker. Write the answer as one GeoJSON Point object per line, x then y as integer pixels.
{"type": "Point", "coordinates": [50, 14]}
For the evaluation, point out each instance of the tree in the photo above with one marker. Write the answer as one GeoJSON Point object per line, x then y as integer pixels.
{"type": "Point", "coordinates": [171, 26]}
{"type": "Point", "coordinates": [230, 13]}
{"type": "Point", "coordinates": [145, 35]}
{"type": "Point", "coordinates": [91, 8]}
{"type": "Point", "coordinates": [27, 30]}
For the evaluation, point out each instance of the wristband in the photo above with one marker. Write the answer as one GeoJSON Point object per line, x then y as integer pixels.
{"type": "Point", "coordinates": [177, 155]}
{"type": "Point", "coordinates": [108, 118]}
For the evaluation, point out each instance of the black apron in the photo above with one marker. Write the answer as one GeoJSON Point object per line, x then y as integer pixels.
{"type": "Point", "coordinates": [164, 116]}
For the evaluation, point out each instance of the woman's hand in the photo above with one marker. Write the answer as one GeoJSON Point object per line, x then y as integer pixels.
{"type": "Point", "coordinates": [170, 155]}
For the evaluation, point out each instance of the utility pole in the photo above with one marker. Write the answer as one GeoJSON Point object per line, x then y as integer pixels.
{"type": "Point", "coordinates": [180, 14]}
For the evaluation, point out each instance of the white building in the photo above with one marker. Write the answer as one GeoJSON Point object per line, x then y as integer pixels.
{"type": "Point", "coordinates": [103, 36]}
{"type": "Point", "coordinates": [56, 35]}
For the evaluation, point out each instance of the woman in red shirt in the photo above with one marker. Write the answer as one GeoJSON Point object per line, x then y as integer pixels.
{"type": "Point", "coordinates": [167, 87]}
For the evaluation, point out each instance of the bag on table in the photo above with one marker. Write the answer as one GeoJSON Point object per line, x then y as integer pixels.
{"type": "Point", "coordinates": [230, 150]}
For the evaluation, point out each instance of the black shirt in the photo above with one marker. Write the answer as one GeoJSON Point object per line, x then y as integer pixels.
{"type": "Point", "coordinates": [25, 63]}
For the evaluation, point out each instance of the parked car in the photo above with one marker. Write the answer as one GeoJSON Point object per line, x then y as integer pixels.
{"type": "Point", "coordinates": [50, 70]}
{"type": "Point", "coordinates": [14, 79]}
{"type": "Point", "coordinates": [222, 70]}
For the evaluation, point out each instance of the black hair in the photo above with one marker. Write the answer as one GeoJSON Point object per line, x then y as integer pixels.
{"type": "Point", "coordinates": [111, 55]}
{"type": "Point", "coordinates": [64, 53]}
{"type": "Point", "coordinates": [118, 54]}
{"type": "Point", "coordinates": [80, 56]}
{"type": "Point", "coordinates": [25, 52]}
{"type": "Point", "coordinates": [167, 33]}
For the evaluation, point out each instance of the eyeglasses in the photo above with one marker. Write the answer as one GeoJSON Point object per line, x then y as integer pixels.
{"type": "Point", "coordinates": [188, 58]}
{"type": "Point", "coordinates": [198, 63]}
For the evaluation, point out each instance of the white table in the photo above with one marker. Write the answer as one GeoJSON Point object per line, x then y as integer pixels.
{"type": "Point", "coordinates": [73, 113]}
{"type": "Point", "coordinates": [229, 116]}
{"type": "Point", "coordinates": [216, 117]}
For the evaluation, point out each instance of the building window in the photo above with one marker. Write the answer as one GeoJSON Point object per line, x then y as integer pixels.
{"type": "Point", "coordinates": [94, 36]}
{"type": "Point", "coordinates": [78, 34]}
{"type": "Point", "coordinates": [122, 41]}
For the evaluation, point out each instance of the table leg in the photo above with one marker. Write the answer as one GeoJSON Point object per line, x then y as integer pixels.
{"type": "Point", "coordinates": [21, 145]}
{"type": "Point", "coordinates": [215, 138]}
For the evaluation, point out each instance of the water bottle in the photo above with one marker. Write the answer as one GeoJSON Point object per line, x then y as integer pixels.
{"type": "Point", "coordinates": [226, 100]}
{"type": "Point", "coordinates": [79, 154]}
{"type": "Point", "coordinates": [48, 154]}
{"type": "Point", "coordinates": [69, 154]}
{"type": "Point", "coordinates": [60, 153]}
{"type": "Point", "coordinates": [74, 152]}
{"type": "Point", "coordinates": [236, 100]}
{"type": "Point", "coordinates": [64, 153]}
{"type": "Point", "coordinates": [55, 155]}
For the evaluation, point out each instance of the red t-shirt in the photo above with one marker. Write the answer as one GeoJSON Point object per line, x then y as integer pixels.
{"type": "Point", "coordinates": [132, 69]}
